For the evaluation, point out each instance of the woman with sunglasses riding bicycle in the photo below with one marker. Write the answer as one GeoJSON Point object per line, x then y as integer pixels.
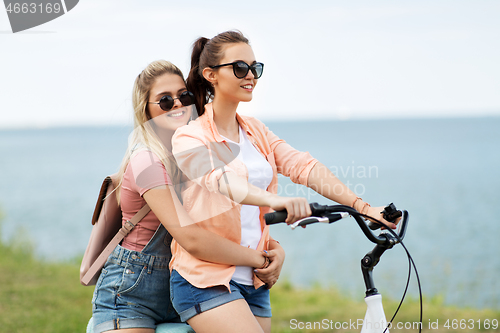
{"type": "Point", "coordinates": [231, 162]}
{"type": "Point", "coordinates": [133, 288]}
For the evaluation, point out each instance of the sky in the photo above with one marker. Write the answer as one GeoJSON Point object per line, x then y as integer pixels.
{"type": "Point", "coordinates": [323, 59]}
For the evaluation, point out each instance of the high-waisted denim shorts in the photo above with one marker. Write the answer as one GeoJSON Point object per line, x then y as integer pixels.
{"type": "Point", "coordinates": [190, 301]}
{"type": "Point", "coordinates": [132, 292]}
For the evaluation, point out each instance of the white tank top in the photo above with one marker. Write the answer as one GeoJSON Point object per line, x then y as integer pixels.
{"type": "Point", "coordinates": [260, 174]}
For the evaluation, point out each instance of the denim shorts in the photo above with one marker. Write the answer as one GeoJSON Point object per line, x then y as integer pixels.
{"type": "Point", "coordinates": [189, 300]}
{"type": "Point", "coordinates": [132, 292]}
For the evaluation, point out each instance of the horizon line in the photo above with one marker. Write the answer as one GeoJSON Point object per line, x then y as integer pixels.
{"type": "Point", "coordinates": [266, 119]}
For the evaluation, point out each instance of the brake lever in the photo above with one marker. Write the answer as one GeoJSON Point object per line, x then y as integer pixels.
{"type": "Point", "coordinates": [330, 218]}
{"type": "Point", "coordinates": [309, 220]}
{"type": "Point", "coordinates": [390, 214]}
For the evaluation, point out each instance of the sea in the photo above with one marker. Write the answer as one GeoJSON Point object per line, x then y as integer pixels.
{"type": "Point", "coordinates": [444, 172]}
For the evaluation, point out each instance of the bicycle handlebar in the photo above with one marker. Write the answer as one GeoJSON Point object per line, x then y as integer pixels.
{"type": "Point", "coordinates": [332, 213]}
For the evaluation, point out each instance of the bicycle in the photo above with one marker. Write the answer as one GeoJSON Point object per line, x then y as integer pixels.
{"type": "Point", "coordinates": [375, 320]}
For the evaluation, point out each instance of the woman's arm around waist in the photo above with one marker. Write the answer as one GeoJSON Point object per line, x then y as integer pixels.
{"type": "Point", "coordinates": [199, 242]}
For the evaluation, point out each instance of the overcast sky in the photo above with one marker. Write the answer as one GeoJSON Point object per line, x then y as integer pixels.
{"type": "Point", "coordinates": [323, 59]}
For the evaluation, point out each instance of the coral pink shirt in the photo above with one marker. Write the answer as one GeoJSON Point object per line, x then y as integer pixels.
{"type": "Point", "coordinates": [144, 172]}
{"type": "Point", "coordinates": [204, 157]}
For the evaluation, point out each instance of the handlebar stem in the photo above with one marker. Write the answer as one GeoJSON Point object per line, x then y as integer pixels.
{"type": "Point", "coordinates": [370, 260]}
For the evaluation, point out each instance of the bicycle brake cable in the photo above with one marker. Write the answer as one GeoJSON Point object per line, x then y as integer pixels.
{"type": "Point", "coordinates": [410, 264]}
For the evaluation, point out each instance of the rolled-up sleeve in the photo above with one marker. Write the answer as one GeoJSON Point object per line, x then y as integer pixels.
{"type": "Point", "coordinates": [289, 161]}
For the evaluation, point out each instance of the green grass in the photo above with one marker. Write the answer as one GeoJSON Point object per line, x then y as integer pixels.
{"type": "Point", "coordinates": [36, 296]}
{"type": "Point", "coordinates": [327, 307]}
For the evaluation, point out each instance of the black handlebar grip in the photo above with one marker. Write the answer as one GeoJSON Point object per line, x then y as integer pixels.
{"type": "Point", "coordinates": [390, 213]}
{"type": "Point", "coordinates": [280, 216]}
{"type": "Point", "coordinates": [275, 217]}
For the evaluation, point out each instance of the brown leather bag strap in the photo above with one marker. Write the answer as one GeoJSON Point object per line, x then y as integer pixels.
{"type": "Point", "coordinates": [125, 229]}
{"type": "Point", "coordinates": [130, 224]}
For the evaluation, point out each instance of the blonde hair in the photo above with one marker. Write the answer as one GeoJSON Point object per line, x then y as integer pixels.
{"type": "Point", "coordinates": [143, 135]}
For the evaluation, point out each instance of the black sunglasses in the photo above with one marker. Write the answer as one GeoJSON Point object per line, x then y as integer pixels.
{"type": "Point", "coordinates": [241, 68]}
{"type": "Point", "coordinates": [167, 102]}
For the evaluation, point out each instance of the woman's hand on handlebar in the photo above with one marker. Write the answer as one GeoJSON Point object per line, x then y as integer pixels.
{"type": "Point", "coordinates": [297, 208]}
{"type": "Point", "coordinates": [376, 212]}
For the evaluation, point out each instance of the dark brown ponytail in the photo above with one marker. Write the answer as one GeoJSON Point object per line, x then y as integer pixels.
{"type": "Point", "coordinates": [206, 53]}
{"type": "Point", "coordinates": [196, 83]}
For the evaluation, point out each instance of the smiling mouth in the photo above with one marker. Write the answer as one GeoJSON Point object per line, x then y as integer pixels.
{"type": "Point", "coordinates": [176, 114]}
{"type": "Point", "coordinates": [247, 87]}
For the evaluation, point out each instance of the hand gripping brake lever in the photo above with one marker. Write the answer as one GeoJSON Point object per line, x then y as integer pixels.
{"type": "Point", "coordinates": [390, 214]}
